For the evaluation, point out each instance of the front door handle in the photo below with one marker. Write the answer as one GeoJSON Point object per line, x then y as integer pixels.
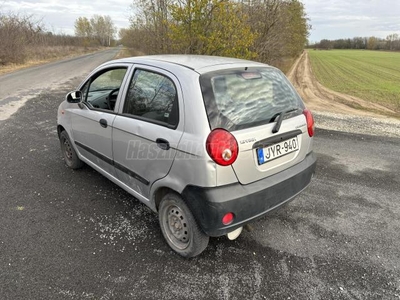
{"type": "Point", "coordinates": [163, 144]}
{"type": "Point", "coordinates": [103, 123]}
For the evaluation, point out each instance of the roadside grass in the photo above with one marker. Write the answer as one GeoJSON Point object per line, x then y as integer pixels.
{"type": "Point", "coordinates": [286, 63]}
{"type": "Point", "coordinates": [41, 55]}
{"type": "Point", "coordinates": [370, 75]}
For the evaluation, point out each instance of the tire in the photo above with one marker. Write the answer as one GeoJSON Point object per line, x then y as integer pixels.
{"type": "Point", "coordinates": [70, 157]}
{"type": "Point", "coordinates": [179, 227]}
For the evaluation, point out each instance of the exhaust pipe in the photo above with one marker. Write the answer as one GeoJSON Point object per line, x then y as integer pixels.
{"type": "Point", "coordinates": [233, 235]}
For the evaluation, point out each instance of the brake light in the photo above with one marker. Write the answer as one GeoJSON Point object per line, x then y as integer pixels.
{"type": "Point", "coordinates": [310, 122]}
{"type": "Point", "coordinates": [222, 147]}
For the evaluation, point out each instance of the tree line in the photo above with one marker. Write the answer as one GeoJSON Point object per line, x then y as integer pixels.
{"type": "Point", "coordinates": [98, 30]}
{"type": "Point", "coordinates": [391, 43]}
{"type": "Point", "coordinates": [271, 31]}
{"type": "Point", "coordinates": [22, 35]}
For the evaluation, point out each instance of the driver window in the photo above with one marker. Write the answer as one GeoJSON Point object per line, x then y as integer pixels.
{"type": "Point", "coordinates": [102, 90]}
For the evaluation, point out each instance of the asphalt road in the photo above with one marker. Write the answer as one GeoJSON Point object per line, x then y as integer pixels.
{"type": "Point", "coordinates": [18, 87]}
{"type": "Point", "coordinates": [68, 234]}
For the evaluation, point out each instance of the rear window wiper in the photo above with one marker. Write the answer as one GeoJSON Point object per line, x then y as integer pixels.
{"type": "Point", "coordinates": [280, 119]}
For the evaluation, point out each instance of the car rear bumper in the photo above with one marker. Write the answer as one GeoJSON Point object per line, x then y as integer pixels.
{"type": "Point", "coordinates": [247, 202]}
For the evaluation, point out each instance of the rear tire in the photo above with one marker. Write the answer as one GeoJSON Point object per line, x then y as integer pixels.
{"type": "Point", "coordinates": [70, 156]}
{"type": "Point", "coordinates": [179, 227]}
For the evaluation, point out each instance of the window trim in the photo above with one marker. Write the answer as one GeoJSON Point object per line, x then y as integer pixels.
{"type": "Point", "coordinates": [144, 119]}
{"type": "Point", "coordinates": [147, 120]}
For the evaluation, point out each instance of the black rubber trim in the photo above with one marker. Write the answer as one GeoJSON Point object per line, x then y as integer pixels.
{"type": "Point", "coordinates": [160, 123]}
{"type": "Point", "coordinates": [131, 173]}
{"type": "Point", "coordinates": [247, 202]}
{"type": "Point", "coordinates": [111, 112]}
{"type": "Point", "coordinates": [95, 153]}
{"type": "Point", "coordinates": [276, 139]}
{"type": "Point", "coordinates": [113, 163]}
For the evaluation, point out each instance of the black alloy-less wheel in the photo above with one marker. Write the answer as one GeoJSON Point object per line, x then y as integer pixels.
{"type": "Point", "coordinates": [179, 227]}
{"type": "Point", "coordinates": [71, 158]}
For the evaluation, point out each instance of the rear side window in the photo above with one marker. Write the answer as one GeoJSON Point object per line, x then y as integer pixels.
{"type": "Point", "coordinates": [238, 99]}
{"type": "Point", "coordinates": [152, 97]}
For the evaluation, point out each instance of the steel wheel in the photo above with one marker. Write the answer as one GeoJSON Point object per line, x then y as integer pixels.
{"type": "Point", "coordinates": [179, 227]}
{"type": "Point", "coordinates": [71, 158]}
{"type": "Point", "coordinates": [67, 149]}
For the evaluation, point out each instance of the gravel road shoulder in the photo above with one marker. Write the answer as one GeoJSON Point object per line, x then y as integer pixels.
{"type": "Point", "coordinates": [357, 124]}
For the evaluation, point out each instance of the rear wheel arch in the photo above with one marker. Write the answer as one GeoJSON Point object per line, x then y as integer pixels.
{"type": "Point", "coordinates": [160, 193]}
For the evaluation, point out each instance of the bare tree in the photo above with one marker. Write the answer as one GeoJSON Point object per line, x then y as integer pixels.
{"type": "Point", "coordinates": [17, 32]}
{"type": "Point", "coordinates": [24, 37]}
{"type": "Point", "coordinates": [103, 29]}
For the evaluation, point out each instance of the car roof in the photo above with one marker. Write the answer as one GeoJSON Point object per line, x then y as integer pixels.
{"type": "Point", "coordinates": [198, 63]}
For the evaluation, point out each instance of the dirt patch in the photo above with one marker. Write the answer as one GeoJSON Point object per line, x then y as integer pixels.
{"type": "Point", "coordinates": [319, 98]}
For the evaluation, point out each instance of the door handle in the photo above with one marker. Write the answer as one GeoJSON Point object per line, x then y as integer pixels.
{"type": "Point", "coordinates": [163, 144]}
{"type": "Point", "coordinates": [103, 123]}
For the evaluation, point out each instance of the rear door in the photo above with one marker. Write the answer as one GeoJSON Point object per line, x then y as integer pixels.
{"type": "Point", "coordinates": [249, 103]}
{"type": "Point", "coordinates": [148, 128]}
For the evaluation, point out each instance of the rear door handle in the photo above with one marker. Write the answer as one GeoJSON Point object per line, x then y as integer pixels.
{"type": "Point", "coordinates": [163, 144]}
{"type": "Point", "coordinates": [103, 123]}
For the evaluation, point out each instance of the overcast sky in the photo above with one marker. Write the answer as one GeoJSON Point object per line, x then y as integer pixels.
{"type": "Point", "coordinates": [330, 19]}
{"type": "Point", "coordinates": [334, 19]}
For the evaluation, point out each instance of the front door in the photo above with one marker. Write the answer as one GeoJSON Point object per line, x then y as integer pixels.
{"type": "Point", "coordinates": [92, 123]}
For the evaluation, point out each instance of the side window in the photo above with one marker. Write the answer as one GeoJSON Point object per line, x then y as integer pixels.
{"type": "Point", "coordinates": [102, 89]}
{"type": "Point", "coordinates": [152, 96]}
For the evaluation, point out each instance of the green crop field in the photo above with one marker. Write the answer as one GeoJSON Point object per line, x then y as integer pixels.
{"type": "Point", "coordinates": [370, 75]}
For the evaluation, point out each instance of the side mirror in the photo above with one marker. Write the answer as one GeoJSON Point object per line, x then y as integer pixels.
{"type": "Point", "coordinates": [74, 97]}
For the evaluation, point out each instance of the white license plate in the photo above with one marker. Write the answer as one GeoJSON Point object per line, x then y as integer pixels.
{"type": "Point", "coordinates": [277, 150]}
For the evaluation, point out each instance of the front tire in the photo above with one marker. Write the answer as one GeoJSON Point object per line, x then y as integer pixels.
{"type": "Point", "coordinates": [179, 227]}
{"type": "Point", "coordinates": [70, 156]}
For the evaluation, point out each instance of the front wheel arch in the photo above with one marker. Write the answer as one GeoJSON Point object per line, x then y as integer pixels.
{"type": "Point", "coordinates": [60, 129]}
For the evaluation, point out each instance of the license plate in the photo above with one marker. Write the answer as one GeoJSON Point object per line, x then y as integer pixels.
{"type": "Point", "coordinates": [277, 150]}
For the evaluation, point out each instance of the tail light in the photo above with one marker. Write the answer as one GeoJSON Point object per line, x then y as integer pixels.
{"type": "Point", "coordinates": [310, 122]}
{"type": "Point", "coordinates": [222, 147]}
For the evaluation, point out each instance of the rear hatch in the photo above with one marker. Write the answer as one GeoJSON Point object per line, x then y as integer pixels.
{"type": "Point", "coordinates": [261, 109]}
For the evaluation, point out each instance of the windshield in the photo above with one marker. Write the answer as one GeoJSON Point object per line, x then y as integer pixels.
{"type": "Point", "coordinates": [239, 98]}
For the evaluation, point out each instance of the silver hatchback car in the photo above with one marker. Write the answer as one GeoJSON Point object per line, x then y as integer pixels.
{"type": "Point", "coordinates": [209, 143]}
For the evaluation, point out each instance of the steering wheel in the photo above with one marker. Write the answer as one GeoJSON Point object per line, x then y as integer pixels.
{"type": "Point", "coordinates": [108, 98]}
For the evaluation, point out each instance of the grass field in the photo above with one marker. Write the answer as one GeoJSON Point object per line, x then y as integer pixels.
{"type": "Point", "coordinates": [370, 75]}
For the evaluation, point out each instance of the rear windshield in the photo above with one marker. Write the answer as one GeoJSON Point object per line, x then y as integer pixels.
{"type": "Point", "coordinates": [238, 98]}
